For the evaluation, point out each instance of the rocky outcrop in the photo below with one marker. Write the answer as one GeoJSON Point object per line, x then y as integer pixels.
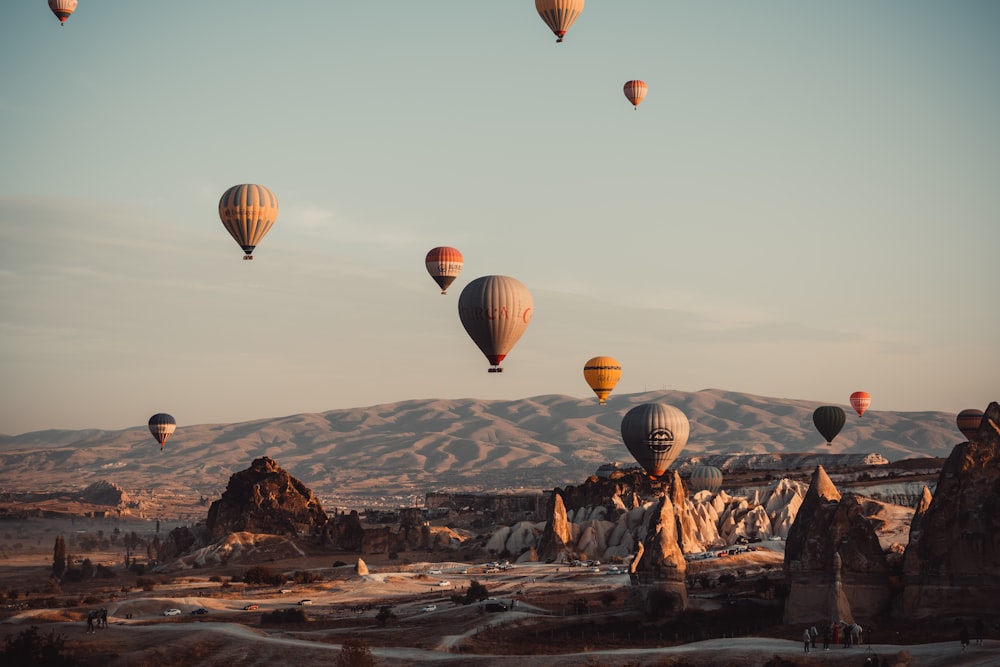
{"type": "Point", "coordinates": [265, 499]}
{"type": "Point", "coordinates": [658, 568]}
{"type": "Point", "coordinates": [344, 532]}
{"type": "Point", "coordinates": [557, 538]}
{"type": "Point", "coordinates": [833, 529]}
{"type": "Point", "coordinates": [105, 493]}
{"type": "Point", "coordinates": [952, 562]}
{"type": "Point", "coordinates": [361, 568]}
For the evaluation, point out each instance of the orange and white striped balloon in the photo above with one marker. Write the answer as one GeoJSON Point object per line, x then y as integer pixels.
{"type": "Point", "coordinates": [62, 9]}
{"type": "Point", "coordinates": [860, 400]}
{"type": "Point", "coordinates": [444, 263]}
{"type": "Point", "coordinates": [559, 15]}
{"type": "Point", "coordinates": [635, 91]}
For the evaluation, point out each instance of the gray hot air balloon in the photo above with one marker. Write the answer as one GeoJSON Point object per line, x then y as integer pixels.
{"type": "Point", "coordinates": [495, 311]}
{"type": "Point", "coordinates": [706, 478]}
{"type": "Point", "coordinates": [655, 433]}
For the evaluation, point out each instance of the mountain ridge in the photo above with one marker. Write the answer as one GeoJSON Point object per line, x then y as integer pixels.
{"type": "Point", "coordinates": [421, 445]}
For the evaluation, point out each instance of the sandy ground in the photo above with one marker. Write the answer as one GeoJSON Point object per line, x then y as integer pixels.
{"type": "Point", "coordinates": [344, 605]}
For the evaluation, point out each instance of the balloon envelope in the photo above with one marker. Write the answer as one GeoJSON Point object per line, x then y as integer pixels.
{"type": "Point", "coordinates": [444, 264]}
{"type": "Point", "coordinates": [706, 478]}
{"type": "Point", "coordinates": [602, 374]}
{"type": "Point", "coordinates": [860, 400]}
{"type": "Point", "coordinates": [559, 15]}
{"type": "Point", "coordinates": [829, 419]}
{"type": "Point", "coordinates": [968, 422]}
{"type": "Point", "coordinates": [635, 91]}
{"type": "Point", "coordinates": [655, 433]}
{"type": "Point", "coordinates": [62, 9]}
{"type": "Point", "coordinates": [248, 211]}
{"type": "Point", "coordinates": [162, 426]}
{"type": "Point", "coordinates": [495, 311]}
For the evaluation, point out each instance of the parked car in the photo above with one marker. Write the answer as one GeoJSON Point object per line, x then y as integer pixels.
{"type": "Point", "coordinates": [429, 607]}
{"type": "Point", "coordinates": [251, 607]}
{"type": "Point", "coordinates": [305, 602]}
{"type": "Point", "coordinates": [200, 611]}
{"type": "Point", "coordinates": [444, 582]}
{"type": "Point", "coordinates": [171, 612]}
{"type": "Point", "coordinates": [434, 570]}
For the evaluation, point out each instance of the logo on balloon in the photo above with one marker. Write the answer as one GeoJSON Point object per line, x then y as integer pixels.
{"type": "Point", "coordinates": [660, 440]}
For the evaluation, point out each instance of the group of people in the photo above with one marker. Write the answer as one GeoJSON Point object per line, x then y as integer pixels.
{"type": "Point", "coordinates": [963, 636]}
{"type": "Point", "coordinates": [96, 618]}
{"type": "Point", "coordinates": [849, 633]}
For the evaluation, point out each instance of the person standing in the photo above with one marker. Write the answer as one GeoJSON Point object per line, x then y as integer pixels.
{"type": "Point", "coordinates": [963, 637]}
{"type": "Point", "coordinates": [979, 631]}
{"type": "Point", "coordinates": [813, 634]}
{"type": "Point", "coordinates": [826, 638]}
{"type": "Point", "coordinates": [805, 639]}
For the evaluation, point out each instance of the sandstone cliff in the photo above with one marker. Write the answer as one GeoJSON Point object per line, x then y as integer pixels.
{"type": "Point", "coordinates": [265, 499]}
{"type": "Point", "coordinates": [831, 529]}
{"type": "Point", "coordinates": [952, 563]}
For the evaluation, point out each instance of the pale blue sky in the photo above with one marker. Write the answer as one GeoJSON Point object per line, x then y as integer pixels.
{"type": "Point", "coordinates": [806, 204]}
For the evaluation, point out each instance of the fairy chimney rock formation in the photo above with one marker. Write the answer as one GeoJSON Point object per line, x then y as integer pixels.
{"type": "Point", "coordinates": [265, 499]}
{"type": "Point", "coordinates": [361, 568]}
{"type": "Point", "coordinates": [557, 538]}
{"type": "Point", "coordinates": [830, 530]}
{"type": "Point", "coordinates": [687, 528]}
{"type": "Point", "coordinates": [658, 567]}
{"type": "Point", "coordinates": [952, 563]}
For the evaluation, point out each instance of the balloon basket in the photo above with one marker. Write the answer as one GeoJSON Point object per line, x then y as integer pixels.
{"type": "Point", "coordinates": [247, 257]}
{"type": "Point", "coordinates": [495, 369]}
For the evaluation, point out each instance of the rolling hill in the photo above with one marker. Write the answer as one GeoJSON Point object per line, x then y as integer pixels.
{"type": "Point", "coordinates": [399, 451]}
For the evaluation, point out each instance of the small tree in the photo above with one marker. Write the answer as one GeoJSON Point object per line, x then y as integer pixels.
{"type": "Point", "coordinates": [476, 592]}
{"type": "Point", "coordinates": [59, 557]}
{"type": "Point", "coordinates": [384, 616]}
{"type": "Point", "coordinates": [29, 647]}
{"type": "Point", "coordinates": [355, 653]}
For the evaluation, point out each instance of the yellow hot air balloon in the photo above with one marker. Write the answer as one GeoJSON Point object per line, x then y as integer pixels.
{"type": "Point", "coordinates": [248, 211]}
{"type": "Point", "coordinates": [559, 14]}
{"type": "Point", "coordinates": [635, 91]}
{"type": "Point", "coordinates": [602, 374]}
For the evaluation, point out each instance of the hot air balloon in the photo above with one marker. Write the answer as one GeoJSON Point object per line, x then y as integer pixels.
{"type": "Point", "coordinates": [495, 311]}
{"type": "Point", "coordinates": [62, 9]}
{"type": "Point", "coordinates": [860, 400]}
{"type": "Point", "coordinates": [655, 433]}
{"type": "Point", "coordinates": [602, 374]}
{"type": "Point", "coordinates": [829, 419]}
{"type": "Point", "coordinates": [706, 478]}
{"type": "Point", "coordinates": [559, 14]}
{"type": "Point", "coordinates": [444, 264]}
{"type": "Point", "coordinates": [248, 211]}
{"type": "Point", "coordinates": [162, 426]}
{"type": "Point", "coordinates": [635, 91]}
{"type": "Point", "coordinates": [968, 422]}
